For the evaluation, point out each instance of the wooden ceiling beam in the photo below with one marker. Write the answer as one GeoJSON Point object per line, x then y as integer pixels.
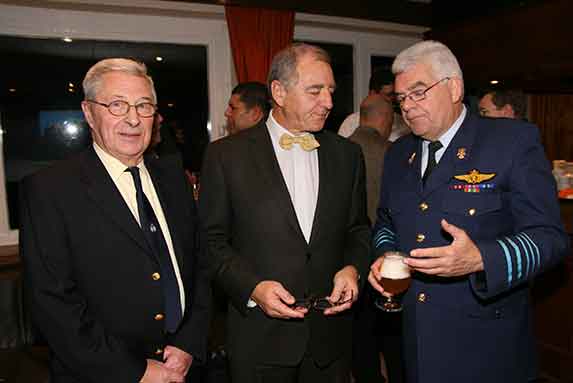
{"type": "Point", "coordinates": [527, 47]}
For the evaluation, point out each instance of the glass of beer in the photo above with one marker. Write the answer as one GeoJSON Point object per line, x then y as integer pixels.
{"type": "Point", "coordinates": [395, 280]}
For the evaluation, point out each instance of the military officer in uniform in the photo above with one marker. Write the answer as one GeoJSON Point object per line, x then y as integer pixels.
{"type": "Point", "coordinates": [473, 203]}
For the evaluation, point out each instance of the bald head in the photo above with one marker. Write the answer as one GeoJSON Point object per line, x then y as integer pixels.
{"type": "Point", "coordinates": [376, 112]}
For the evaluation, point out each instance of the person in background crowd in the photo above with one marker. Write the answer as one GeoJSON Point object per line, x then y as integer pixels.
{"type": "Point", "coordinates": [284, 208]}
{"type": "Point", "coordinates": [113, 268]}
{"type": "Point", "coordinates": [376, 117]}
{"type": "Point", "coordinates": [504, 103]}
{"type": "Point", "coordinates": [248, 106]}
{"type": "Point", "coordinates": [457, 197]}
{"type": "Point", "coordinates": [381, 83]}
{"type": "Point", "coordinates": [156, 137]}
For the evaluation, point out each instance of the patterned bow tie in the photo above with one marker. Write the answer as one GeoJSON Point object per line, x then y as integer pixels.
{"type": "Point", "coordinates": [306, 142]}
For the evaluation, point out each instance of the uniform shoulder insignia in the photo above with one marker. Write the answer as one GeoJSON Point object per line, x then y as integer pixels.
{"type": "Point", "coordinates": [475, 177]}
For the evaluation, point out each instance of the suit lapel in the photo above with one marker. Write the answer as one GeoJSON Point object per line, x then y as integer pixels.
{"type": "Point", "coordinates": [102, 190]}
{"type": "Point", "coordinates": [270, 173]}
{"type": "Point", "coordinates": [326, 189]}
{"type": "Point", "coordinates": [456, 154]}
{"type": "Point", "coordinates": [410, 164]}
{"type": "Point", "coordinates": [160, 176]}
{"type": "Point", "coordinates": [415, 164]}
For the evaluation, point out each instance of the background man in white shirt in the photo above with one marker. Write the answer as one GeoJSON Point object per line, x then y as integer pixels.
{"type": "Point", "coordinates": [381, 83]}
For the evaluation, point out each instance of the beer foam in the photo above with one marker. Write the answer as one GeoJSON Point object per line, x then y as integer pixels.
{"type": "Point", "coordinates": [395, 268]}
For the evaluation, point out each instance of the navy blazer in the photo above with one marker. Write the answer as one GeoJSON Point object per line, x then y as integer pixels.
{"type": "Point", "coordinates": [89, 271]}
{"type": "Point", "coordinates": [474, 328]}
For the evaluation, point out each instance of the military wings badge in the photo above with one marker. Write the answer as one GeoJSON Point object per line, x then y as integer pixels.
{"type": "Point", "coordinates": [475, 177]}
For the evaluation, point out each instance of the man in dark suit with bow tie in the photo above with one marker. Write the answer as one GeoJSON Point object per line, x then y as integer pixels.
{"type": "Point", "coordinates": [111, 249]}
{"type": "Point", "coordinates": [473, 203]}
{"type": "Point", "coordinates": [285, 213]}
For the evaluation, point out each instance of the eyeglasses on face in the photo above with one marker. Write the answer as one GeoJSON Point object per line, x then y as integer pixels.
{"type": "Point", "coordinates": [417, 95]}
{"type": "Point", "coordinates": [120, 108]}
{"type": "Point", "coordinates": [318, 304]}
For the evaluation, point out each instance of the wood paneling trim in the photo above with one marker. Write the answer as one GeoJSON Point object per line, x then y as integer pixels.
{"type": "Point", "coordinates": [554, 116]}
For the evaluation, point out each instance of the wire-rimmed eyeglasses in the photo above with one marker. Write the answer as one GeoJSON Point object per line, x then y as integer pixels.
{"type": "Point", "coordinates": [417, 95]}
{"type": "Point", "coordinates": [319, 304]}
{"type": "Point", "coordinates": [120, 108]}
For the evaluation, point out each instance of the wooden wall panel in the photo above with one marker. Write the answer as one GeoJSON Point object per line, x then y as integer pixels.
{"type": "Point", "coordinates": [553, 314]}
{"type": "Point", "coordinates": [527, 47]}
{"type": "Point", "coordinates": [554, 116]}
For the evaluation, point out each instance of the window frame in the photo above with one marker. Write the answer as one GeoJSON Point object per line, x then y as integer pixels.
{"type": "Point", "coordinates": [190, 23]}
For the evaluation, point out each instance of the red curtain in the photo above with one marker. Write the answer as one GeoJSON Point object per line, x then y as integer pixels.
{"type": "Point", "coordinates": [256, 35]}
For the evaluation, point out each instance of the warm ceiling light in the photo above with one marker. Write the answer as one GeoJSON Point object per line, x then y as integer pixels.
{"type": "Point", "coordinates": [71, 90]}
{"type": "Point", "coordinates": [71, 84]}
{"type": "Point", "coordinates": [12, 90]}
{"type": "Point", "coordinates": [159, 58]}
{"type": "Point", "coordinates": [171, 105]}
{"type": "Point", "coordinates": [494, 82]}
{"type": "Point", "coordinates": [67, 39]}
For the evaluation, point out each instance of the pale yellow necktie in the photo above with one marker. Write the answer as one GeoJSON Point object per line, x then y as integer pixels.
{"type": "Point", "coordinates": [306, 142]}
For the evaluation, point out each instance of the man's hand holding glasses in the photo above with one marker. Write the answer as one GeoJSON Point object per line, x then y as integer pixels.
{"type": "Point", "coordinates": [320, 304]}
{"type": "Point", "coordinates": [277, 302]}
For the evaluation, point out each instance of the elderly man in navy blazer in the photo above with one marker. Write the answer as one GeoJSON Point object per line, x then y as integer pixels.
{"type": "Point", "coordinates": [473, 203]}
{"type": "Point", "coordinates": [110, 246]}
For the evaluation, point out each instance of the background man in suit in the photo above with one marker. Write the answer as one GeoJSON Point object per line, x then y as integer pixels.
{"type": "Point", "coordinates": [116, 301]}
{"type": "Point", "coordinates": [481, 222]}
{"type": "Point", "coordinates": [504, 103]}
{"type": "Point", "coordinates": [285, 212]}
{"type": "Point", "coordinates": [376, 117]}
{"type": "Point", "coordinates": [248, 106]}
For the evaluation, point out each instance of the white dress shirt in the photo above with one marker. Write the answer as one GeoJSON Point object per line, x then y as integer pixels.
{"type": "Point", "coordinates": [444, 139]}
{"type": "Point", "coordinates": [300, 173]}
{"type": "Point", "coordinates": [124, 182]}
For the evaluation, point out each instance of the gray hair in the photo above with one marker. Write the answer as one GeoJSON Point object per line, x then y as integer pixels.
{"type": "Point", "coordinates": [283, 67]}
{"type": "Point", "coordinates": [438, 57]}
{"type": "Point", "coordinates": [92, 80]}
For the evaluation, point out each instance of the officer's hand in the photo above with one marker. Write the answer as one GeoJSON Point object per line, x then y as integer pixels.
{"type": "Point", "coordinates": [274, 299]}
{"type": "Point", "coordinates": [461, 257]}
{"type": "Point", "coordinates": [374, 276]}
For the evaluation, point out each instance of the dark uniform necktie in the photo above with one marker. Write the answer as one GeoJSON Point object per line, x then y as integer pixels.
{"type": "Point", "coordinates": [433, 147]}
{"type": "Point", "coordinates": [154, 236]}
